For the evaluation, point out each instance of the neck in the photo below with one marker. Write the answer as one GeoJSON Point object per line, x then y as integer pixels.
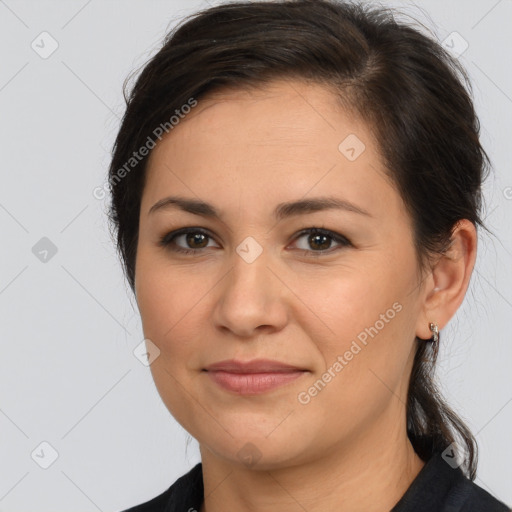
{"type": "Point", "coordinates": [370, 473]}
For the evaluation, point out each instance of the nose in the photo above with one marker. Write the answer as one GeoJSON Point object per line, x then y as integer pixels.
{"type": "Point", "coordinates": [252, 298]}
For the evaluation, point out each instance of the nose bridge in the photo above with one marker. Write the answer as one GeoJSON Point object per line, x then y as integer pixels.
{"type": "Point", "coordinates": [250, 266]}
{"type": "Point", "coordinates": [250, 294]}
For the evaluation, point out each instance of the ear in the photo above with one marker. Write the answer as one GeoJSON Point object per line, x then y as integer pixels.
{"type": "Point", "coordinates": [446, 286]}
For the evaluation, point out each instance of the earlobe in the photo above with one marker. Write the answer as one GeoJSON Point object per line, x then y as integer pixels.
{"type": "Point", "coordinates": [450, 278]}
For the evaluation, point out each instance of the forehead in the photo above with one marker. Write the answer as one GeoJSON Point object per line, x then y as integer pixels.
{"type": "Point", "coordinates": [295, 111]}
{"type": "Point", "coordinates": [285, 118]}
{"type": "Point", "coordinates": [287, 138]}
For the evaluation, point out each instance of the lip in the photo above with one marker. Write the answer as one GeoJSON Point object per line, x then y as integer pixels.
{"type": "Point", "coordinates": [253, 366]}
{"type": "Point", "coordinates": [252, 377]}
{"type": "Point", "coordinates": [253, 383]}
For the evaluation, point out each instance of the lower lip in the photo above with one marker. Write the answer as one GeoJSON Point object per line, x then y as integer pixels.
{"type": "Point", "coordinates": [252, 383]}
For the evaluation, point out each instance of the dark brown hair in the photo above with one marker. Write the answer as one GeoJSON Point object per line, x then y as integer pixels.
{"type": "Point", "coordinates": [412, 94]}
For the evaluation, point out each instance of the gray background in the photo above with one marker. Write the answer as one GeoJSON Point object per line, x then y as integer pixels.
{"type": "Point", "coordinates": [68, 375]}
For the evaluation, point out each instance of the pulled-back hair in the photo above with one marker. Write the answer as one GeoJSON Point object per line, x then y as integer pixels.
{"type": "Point", "coordinates": [414, 97]}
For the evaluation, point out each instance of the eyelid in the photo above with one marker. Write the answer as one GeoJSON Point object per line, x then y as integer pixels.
{"type": "Point", "coordinates": [324, 231]}
{"type": "Point", "coordinates": [168, 239]}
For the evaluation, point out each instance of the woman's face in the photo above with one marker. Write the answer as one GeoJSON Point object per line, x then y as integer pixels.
{"type": "Point", "coordinates": [342, 310]}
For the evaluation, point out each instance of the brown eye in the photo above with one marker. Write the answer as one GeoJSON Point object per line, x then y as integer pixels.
{"type": "Point", "coordinates": [320, 241]}
{"type": "Point", "coordinates": [192, 240]}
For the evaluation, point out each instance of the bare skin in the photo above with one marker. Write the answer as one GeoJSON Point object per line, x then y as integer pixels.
{"type": "Point", "coordinates": [302, 301]}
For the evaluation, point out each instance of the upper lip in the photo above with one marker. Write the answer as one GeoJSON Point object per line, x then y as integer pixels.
{"type": "Point", "coordinates": [253, 366]}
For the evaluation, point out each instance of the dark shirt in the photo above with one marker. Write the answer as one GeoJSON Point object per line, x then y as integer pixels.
{"type": "Point", "coordinates": [437, 488]}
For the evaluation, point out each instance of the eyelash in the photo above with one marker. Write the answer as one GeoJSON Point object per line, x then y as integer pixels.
{"type": "Point", "coordinates": [167, 240]}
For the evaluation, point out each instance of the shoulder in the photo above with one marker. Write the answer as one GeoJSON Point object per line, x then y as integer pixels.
{"type": "Point", "coordinates": [156, 504]}
{"type": "Point", "coordinates": [441, 487]}
{"type": "Point", "coordinates": [185, 494]}
{"type": "Point", "coordinates": [478, 499]}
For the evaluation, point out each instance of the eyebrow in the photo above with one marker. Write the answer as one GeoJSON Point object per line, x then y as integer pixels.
{"type": "Point", "coordinates": [282, 210]}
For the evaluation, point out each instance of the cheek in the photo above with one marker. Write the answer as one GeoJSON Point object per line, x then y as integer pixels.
{"type": "Point", "coordinates": [172, 313]}
{"type": "Point", "coordinates": [166, 295]}
{"type": "Point", "coordinates": [345, 300]}
{"type": "Point", "coordinates": [363, 331]}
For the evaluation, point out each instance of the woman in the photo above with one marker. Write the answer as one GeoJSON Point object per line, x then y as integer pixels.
{"type": "Point", "coordinates": [296, 188]}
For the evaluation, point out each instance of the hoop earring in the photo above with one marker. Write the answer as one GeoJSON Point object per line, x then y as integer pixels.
{"type": "Point", "coordinates": [435, 332]}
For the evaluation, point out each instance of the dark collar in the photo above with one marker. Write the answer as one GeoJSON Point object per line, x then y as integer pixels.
{"type": "Point", "coordinates": [438, 487]}
{"type": "Point", "coordinates": [432, 486]}
{"type": "Point", "coordinates": [187, 493]}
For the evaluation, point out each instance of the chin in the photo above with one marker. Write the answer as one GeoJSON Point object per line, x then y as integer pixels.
{"type": "Point", "coordinates": [257, 452]}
